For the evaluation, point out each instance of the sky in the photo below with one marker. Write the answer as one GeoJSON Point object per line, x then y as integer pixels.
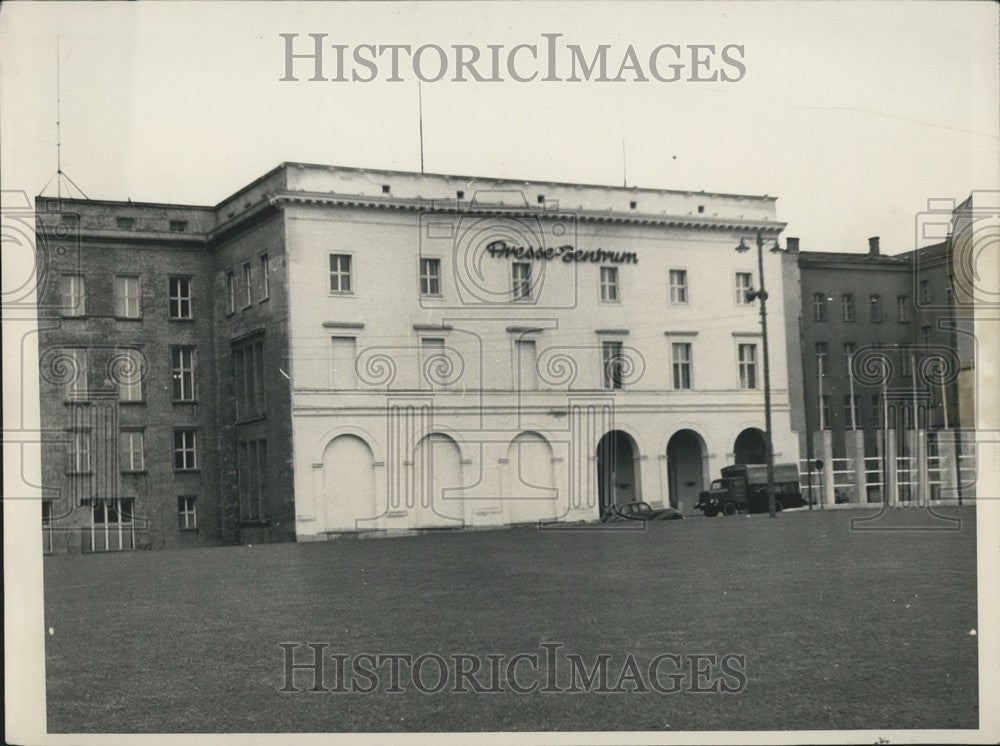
{"type": "Point", "coordinates": [853, 114]}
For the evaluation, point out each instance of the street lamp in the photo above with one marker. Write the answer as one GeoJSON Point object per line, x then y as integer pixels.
{"type": "Point", "coordinates": [761, 295]}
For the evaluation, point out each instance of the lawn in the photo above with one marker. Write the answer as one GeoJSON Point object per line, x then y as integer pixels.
{"type": "Point", "coordinates": [839, 628]}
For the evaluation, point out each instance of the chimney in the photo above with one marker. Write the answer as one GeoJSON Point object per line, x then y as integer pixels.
{"type": "Point", "coordinates": [792, 245]}
{"type": "Point", "coordinates": [873, 246]}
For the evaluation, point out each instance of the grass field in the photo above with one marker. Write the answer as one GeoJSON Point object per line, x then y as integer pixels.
{"type": "Point", "coordinates": [839, 629]}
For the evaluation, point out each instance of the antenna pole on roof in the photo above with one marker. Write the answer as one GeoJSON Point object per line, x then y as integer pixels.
{"type": "Point", "coordinates": [420, 117]}
{"type": "Point", "coordinates": [60, 175]}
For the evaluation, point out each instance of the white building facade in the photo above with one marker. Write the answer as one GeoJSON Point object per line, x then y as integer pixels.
{"type": "Point", "coordinates": [470, 352]}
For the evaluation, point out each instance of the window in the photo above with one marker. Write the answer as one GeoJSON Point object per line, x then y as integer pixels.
{"type": "Point", "coordinates": [925, 333]}
{"type": "Point", "coordinates": [252, 478]}
{"type": "Point", "coordinates": [265, 278]}
{"type": "Point", "coordinates": [74, 295]}
{"type": "Point", "coordinates": [79, 452]}
{"type": "Point", "coordinates": [681, 356]}
{"type": "Point", "coordinates": [230, 292]}
{"type": "Point", "coordinates": [185, 450]}
{"type": "Point", "coordinates": [876, 410]}
{"type": "Point", "coordinates": [822, 353]}
{"type": "Point", "coordinates": [127, 297]}
{"type": "Point", "coordinates": [180, 298]}
{"type": "Point", "coordinates": [609, 283]}
{"type": "Point", "coordinates": [848, 355]}
{"type": "Point", "coordinates": [925, 291]}
{"type": "Point", "coordinates": [678, 286]}
{"type": "Point", "coordinates": [847, 306]}
{"type": "Point", "coordinates": [113, 527]}
{"type": "Point", "coordinates": [527, 364]}
{"type": "Point", "coordinates": [904, 309]}
{"type": "Point", "coordinates": [178, 226]}
{"type": "Point", "coordinates": [521, 280]}
{"type": "Point", "coordinates": [430, 277]}
{"type": "Point", "coordinates": [875, 309]}
{"type": "Point", "coordinates": [125, 224]}
{"type": "Point", "coordinates": [907, 364]}
{"type": "Point", "coordinates": [819, 306]}
{"type": "Point", "coordinates": [247, 285]}
{"type": "Point", "coordinates": [340, 273]}
{"type": "Point", "coordinates": [613, 368]}
{"type": "Point", "coordinates": [748, 366]}
{"type": "Point", "coordinates": [343, 367]}
{"type": "Point", "coordinates": [187, 518]}
{"type": "Point", "coordinates": [744, 282]}
{"type": "Point", "coordinates": [248, 379]}
{"type": "Point", "coordinates": [129, 372]}
{"type": "Point", "coordinates": [852, 418]}
{"type": "Point", "coordinates": [76, 385]}
{"type": "Point", "coordinates": [824, 415]}
{"type": "Point", "coordinates": [182, 361]}
{"type": "Point", "coordinates": [133, 446]}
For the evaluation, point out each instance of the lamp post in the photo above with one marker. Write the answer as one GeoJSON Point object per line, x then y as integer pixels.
{"type": "Point", "coordinates": [761, 295]}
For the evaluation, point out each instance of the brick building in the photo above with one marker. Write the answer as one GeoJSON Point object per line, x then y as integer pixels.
{"type": "Point", "coordinates": [335, 350]}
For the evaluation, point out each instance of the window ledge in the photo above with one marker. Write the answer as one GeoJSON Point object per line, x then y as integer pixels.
{"type": "Point", "coordinates": [255, 522]}
{"type": "Point", "coordinates": [187, 471]}
{"type": "Point", "coordinates": [134, 471]}
{"type": "Point", "coordinates": [339, 294]}
{"type": "Point", "coordinates": [188, 529]}
{"type": "Point", "coordinates": [127, 318]}
{"type": "Point", "coordinates": [132, 402]}
{"type": "Point", "coordinates": [183, 401]}
{"type": "Point", "coordinates": [178, 318]}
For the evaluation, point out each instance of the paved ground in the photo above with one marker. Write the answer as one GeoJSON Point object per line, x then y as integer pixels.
{"type": "Point", "coordinates": [838, 628]}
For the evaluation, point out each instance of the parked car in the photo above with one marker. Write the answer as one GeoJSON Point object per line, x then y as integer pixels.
{"type": "Point", "coordinates": [639, 511]}
{"type": "Point", "coordinates": [743, 487]}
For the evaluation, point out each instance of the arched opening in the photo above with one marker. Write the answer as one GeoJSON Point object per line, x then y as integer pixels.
{"type": "Point", "coordinates": [685, 468]}
{"type": "Point", "coordinates": [437, 473]}
{"type": "Point", "coordinates": [348, 483]}
{"type": "Point", "coordinates": [617, 476]}
{"type": "Point", "coordinates": [529, 493]}
{"type": "Point", "coordinates": [750, 447]}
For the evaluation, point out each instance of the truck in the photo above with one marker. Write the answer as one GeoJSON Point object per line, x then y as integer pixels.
{"type": "Point", "coordinates": [743, 487]}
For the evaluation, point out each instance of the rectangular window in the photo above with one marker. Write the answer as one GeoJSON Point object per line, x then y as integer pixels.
{"type": "Point", "coordinates": [527, 364]}
{"type": "Point", "coordinates": [825, 414]}
{"type": "Point", "coordinates": [247, 285]}
{"type": "Point", "coordinates": [925, 333]}
{"type": "Point", "coordinates": [180, 298]}
{"type": "Point", "coordinates": [925, 291]}
{"type": "Point", "coordinates": [822, 354]}
{"type": "Point", "coordinates": [430, 277]}
{"type": "Point", "coordinates": [185, 450]}
{"type": "Point", "coordinates": [112, 528]}
{"type": "Point", "coordinates": [133, 450]}
{"type": "Point", "coordinates": [876, 410]}
{"type": "Point", "coordinates": [127, 297]}
{"type": "Point", "coordinates": [251, 476]}
{"type": "Point", "coordinates": [340, 273]}
{"type": "Point", "coordinates": [265, 278]}
{"type": "Point", "coordinates": [126, 224]}
{"type": "Point", "coordinates": [848, 355]}
{"type": "Point", "coordinates": [521, 280]}
{"type": "Point", "coordinates": [230, 292]}
{"type": "Point", "coordinates": [678, 286]}
{"type": "Point", "coordinates": [856, 423]}
{"type": "Point", "coordinates": [904, 309]}
{"type": "Point", "coordinates": [744, 283]}
{"type": "Point", "coordinates": [182, 362]}
{"type": "Point", "coordinates": [681, 356]}
{"type": "Point", "coordinates": [74, 295]}
{"type": "Point", "coordinates": [77, 379]}
{"type": "Point", "coordinates": [847, 307]}
{"type": "Point", "coordinates": [129, 372]}
{"type": "Point", "coordinates": [609, 284]}
{"type": "Point", "coordinates": [178, 226]}
{"type": "Point", "coordinates": [187, 517]}
{"type": "Point", "coordinates": [748, 366]}
{"type": "Point", "coordinates": [875, 309]}
{"type": "Point", "coordinates": [343, 368]}
{"type": "Point", "coordinates": [819, 306]}
{"type": "Point", "coordinates": [248, 379]}
{"type": "Point", "coordinates": [79, 452]}
{"type": "Point", "coordinates": [907, 363]}
{"type": "Point", "coordinates": [613, 364]}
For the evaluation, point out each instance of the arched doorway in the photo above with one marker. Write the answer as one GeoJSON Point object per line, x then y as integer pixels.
{"type": "Point", "coordinates": [348, 483]}
{"type": "Point", "coordinates": [750, 447]}
{"type": "Point", "coordinates": [685, 468]}
{"type": "Point", "coordinates": [529, 493]}
{"type": "Point", "coordinates": [437, 473]}
{"type": "Point", "coordinates": [617, 475]}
